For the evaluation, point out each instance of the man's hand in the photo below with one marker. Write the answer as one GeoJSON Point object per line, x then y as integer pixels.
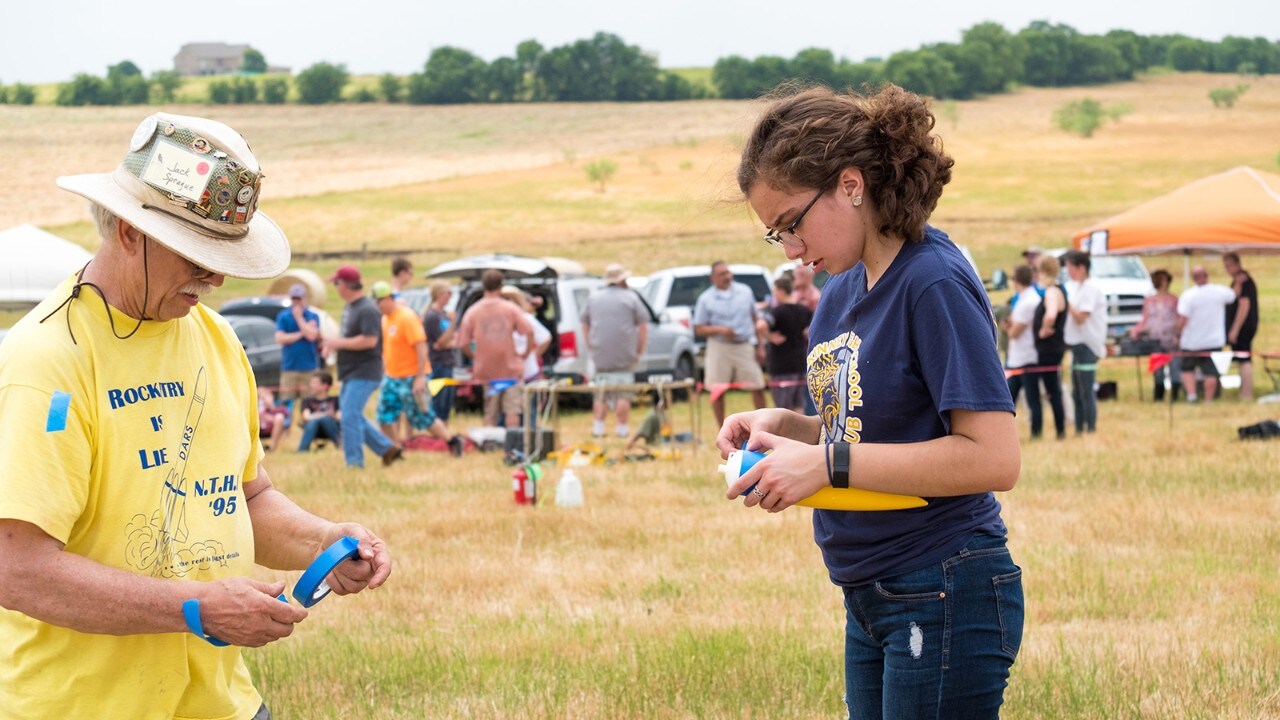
{"type": "Point", "coordinates": [246, 612]}
{"type": "Point", "coordinates": [370, 570]}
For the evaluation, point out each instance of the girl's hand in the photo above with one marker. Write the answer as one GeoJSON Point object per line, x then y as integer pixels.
{"type": "Point", "coordinates": [790, 473]}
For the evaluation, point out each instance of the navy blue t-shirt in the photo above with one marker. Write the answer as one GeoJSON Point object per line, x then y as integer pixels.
{"type": "Point", "coordinates": [299, 356]}
{"type": "Point", "coordinates": [886, 366]}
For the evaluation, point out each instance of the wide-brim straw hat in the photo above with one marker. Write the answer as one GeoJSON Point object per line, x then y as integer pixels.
{"type": "Point", "coordinates": [192, 185]}
{"type": "Point", "coordinates": [615, 273]}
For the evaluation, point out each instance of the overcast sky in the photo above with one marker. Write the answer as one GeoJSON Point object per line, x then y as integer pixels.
{"type": "Point", "coordinates": [52, 40]}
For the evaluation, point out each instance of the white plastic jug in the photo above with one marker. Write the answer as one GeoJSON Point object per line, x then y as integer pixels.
{"type": "Point", "coordinates": [569, 489]}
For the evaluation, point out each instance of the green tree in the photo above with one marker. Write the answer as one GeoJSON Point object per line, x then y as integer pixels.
{"type": "Point", "coordinates": [451, 75]}
{"type": "Point", "coordinates": [391, 87]}
{"type": "Point", "coordinates": [732, 79]}
{"type": "Point", "coordinates": [503, 81]}
{"type": "Point", "coordinates": [321, 83]}
{"type": "Point", "coordinates": [1189, 54]}
{"type": "Point", "coordinates": [4, 95]}
{"type": "Point", "coordinates": [923, 71]}
{"type": "Point", "coordinates": [1094, 60]}
{"type": "Point", "coordinates": [602, 68]}
{"type": "Point", "coordinates": [814, 65]}
{"type": "Point", "coordinates": [85, 89]}
{"type": "Point", "coordinates": [275, 90]}
{"type": "Point", "coordinates": [21, 94]}
{"type": "Point", "coordinates": [991, 58]}
{"type": "Point", "coordinates": [528, 56]}
{"type": "Point", "coordinates": [1131, 47]}
{"type": "Point", "coordinates": [165, 84]}
{"type": "Point", "coordinates": [253, 62]}
{"type": "Point", "coordinates": [601, 171]}
{"type": "Point", "coordinates": [364, 95]}
{"type": "Point", "coordinates": [1048, 53]}
{"type": "Point", "coordinates": [1082, 117]}
{"type": "Point", "coordinates": [122, 69]}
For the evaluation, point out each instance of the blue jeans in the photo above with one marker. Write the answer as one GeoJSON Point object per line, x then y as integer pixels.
{"type": "Point", "coordinates": [323, 427]}
{"type": "Point", "coordinates": [357, 431]}
{"type": "Point", "coordinates": [937, 642]}
{"type": "Point", "coordinates": [1084, 371]}
{"type": "Point", "coordinates": [442, 402]}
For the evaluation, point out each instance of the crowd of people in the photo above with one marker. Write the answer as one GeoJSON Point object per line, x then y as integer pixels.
{"type": "Point", "coordinates": [1045, 319]}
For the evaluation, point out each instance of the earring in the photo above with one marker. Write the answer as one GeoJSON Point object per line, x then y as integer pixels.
{"type": "Point", "coordinates": [857, 200]}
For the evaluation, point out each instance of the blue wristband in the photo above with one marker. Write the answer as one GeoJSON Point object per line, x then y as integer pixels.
{"type": "Point", "coordinates": [191, 613]}
{"type": "Point", "coordinates": [311, 587]}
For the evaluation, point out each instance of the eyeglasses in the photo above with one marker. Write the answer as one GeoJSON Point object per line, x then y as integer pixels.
{"type": "Point", "coordinates": [199, 273]}
{"type": "Point", "coordinates": [787, 236]}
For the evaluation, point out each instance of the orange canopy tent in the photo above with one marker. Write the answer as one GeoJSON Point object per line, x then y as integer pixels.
{"type": "Point", "coordinates": [1235, 211]}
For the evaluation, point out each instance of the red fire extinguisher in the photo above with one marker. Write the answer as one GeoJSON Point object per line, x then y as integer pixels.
{"type": "Point", "coordinates": [519, 479]}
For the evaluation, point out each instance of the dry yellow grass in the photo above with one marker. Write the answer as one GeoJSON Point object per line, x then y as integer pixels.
{"type": "Point", "coordinates": [1150, 549]}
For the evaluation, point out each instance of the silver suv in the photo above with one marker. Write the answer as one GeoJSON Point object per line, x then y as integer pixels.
{"type": "Point", "coordinates": [669, 350]}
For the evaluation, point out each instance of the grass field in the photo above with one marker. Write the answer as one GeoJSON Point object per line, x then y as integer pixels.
{"type": "Point", "coordinates": [1150, 549]}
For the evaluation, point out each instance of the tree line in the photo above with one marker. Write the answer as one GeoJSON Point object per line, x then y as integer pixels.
{"type": "Point", "coordinates": [988, 59]}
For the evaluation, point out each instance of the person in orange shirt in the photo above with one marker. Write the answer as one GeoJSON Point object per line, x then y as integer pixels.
{"type": "Point", "coordinates": [404, 384]}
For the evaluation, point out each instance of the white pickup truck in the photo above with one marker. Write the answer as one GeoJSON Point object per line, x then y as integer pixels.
{"type": "Point", "coordinates": [1126, 283]}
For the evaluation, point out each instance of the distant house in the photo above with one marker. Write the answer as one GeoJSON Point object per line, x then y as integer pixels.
{"type": "Point", "coordinates": [209, 59]}
{"type": "Point", "coordinates": [214, 59]}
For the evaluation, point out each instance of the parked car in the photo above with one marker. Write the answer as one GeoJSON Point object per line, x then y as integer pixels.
{"type": "Point", "coordinates": [669, 350]}
{"type": "Point", "coordinates": [258, 336]}
{"type": "Point", "coordinates": [674, 291]}
{"type": "Point", "coordinates": [1126, 283]}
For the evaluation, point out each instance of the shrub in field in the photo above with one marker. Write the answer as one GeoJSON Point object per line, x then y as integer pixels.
{"type": "Point", "coordinates": [391, 87]}
{"type": "Point", "coordinates": [165, 84]}
{"type": "Point", "coordinates": [1227, 96]}
{"type": "Point", "coordinates": [21, 94]}
{"type": "Point", "coordinates": [4, 95]}
{"type": "Point", "coordinates": [321, 83]}
{"type": "Point", "coordinates": [244, 90]}
{"type": "Point", "coordinates": [601, 171]}
{"type": "Point", "coordinates": [85, 89]}
{"type": "Point", "coordinates": [364, 95]}
{"type": "Point", "coordinates": [221, 92]}
{"type": "Point", "coordinates": [275, 90]}
{"type": "Point", "coordinates": [1084, 117]}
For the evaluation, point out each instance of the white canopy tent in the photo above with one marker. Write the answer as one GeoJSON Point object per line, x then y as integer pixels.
{"type": "Point", "coordinates": [34, 262]}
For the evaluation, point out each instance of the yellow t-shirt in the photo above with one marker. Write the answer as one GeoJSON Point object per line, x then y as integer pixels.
{"type": "Point", "coordinates": [401, 333]}
{"type": "Point", "coordinates": [134, 453]}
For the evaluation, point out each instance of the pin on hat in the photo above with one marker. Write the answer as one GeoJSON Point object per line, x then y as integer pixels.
{"type": "Point", "coordinates": [163, 188]}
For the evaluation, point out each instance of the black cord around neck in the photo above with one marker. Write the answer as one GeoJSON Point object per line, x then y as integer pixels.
{"type": "Point", "coordinates": [75, 293]}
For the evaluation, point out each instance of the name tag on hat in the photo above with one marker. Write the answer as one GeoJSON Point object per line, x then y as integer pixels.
{"type": "Point", "coordinates": [177, 170]}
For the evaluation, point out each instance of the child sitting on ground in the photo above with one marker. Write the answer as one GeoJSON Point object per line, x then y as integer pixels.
{"type": "Point", "coordinates": [320, 415]}
{"type": "Point", "coordinates": [273, 420]}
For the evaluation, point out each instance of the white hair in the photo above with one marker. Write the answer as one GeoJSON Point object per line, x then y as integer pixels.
{"type": "Point", "coordinates": [108, 223]}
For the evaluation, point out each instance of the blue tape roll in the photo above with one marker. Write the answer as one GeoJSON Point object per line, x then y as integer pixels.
{"type": "Point", "coordinates": [749, 460]}
{"type": "Point", "coordinates": [191, 613]}
{"type": "Point", "coordinates": [311, 587]}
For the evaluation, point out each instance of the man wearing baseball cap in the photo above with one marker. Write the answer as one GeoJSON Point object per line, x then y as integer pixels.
{"type": "Point", "coordinates": [360, 369]}
{"type": "Point", "coordinates": [131, 481]}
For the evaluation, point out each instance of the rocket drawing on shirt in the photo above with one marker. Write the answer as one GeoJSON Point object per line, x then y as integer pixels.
{"type": "Point", "coordinates": [836, 386]}
{"type": "Point", "coordinates": [160, 544]}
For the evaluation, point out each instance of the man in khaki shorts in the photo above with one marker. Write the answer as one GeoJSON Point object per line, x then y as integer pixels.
{"type": "Point", "coordinates": [725, 314]}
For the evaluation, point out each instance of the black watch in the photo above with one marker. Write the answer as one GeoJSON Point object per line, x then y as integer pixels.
{"type": "Point", "coordinates": [840, 465]}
